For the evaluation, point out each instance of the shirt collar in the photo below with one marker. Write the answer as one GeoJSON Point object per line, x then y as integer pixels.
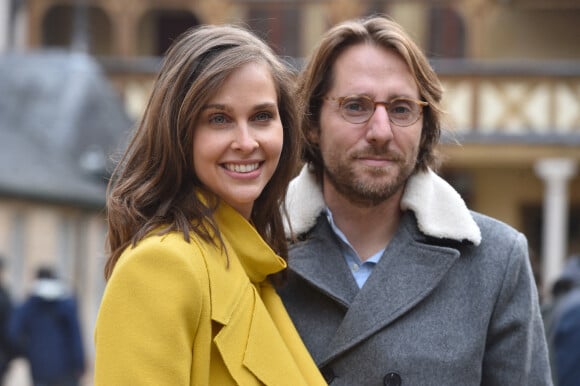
{"type": "Point", "coordinates": [348, 251]}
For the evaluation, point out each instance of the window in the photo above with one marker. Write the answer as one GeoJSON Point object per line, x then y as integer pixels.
{"type": "Point", "coordinates": [160, 28]}
{"type": "Point", "coordinates": [446, 37]}
{"type": "Point", "coordinates": [65, 25]}
{"type": "Point", "coordinates": [278, 25]}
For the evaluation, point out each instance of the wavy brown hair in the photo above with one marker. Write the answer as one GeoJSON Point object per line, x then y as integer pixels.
{"type": "Point", "coordinates": [317, 78]}
{"type": "Point", "coordinates": [154, 186]}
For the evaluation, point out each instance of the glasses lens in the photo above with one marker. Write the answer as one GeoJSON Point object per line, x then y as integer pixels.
{"type": "Point", "coordinates": [356, 109]}
{"type": "Point", "coordinates": [403, 112]}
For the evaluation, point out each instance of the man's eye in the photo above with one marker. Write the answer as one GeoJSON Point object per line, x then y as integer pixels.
{"type": "Point", "coordinates": [354, 105]}
{"type": "Point", "coordinates": [400, 108]}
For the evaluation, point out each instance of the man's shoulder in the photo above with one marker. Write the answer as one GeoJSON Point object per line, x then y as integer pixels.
{"type": "Point", "coordinates": [502, 247]}
{"type": "Point", "coordinates": [493, 228]}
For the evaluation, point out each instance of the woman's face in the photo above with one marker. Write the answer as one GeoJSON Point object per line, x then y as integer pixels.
{"type": "Point", "coordinates": [238, 137]}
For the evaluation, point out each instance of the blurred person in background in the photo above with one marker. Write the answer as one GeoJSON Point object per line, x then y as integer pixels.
{"type": "Point", "coordinates": [564, 326]}
{"type": "Point", "coordinates": [392, 279]}
{"type": "Point", "coordinates": [47, 331]}
{"type": "Point", "coordinates": [566, 282]}
{"type": "Point", "coordinates": [7, 351]}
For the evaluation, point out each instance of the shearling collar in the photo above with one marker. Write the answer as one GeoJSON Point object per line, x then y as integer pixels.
{"type": "Point", "coordinates": [439, 209]}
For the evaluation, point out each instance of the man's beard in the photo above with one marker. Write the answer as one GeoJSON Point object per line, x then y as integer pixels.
{"type": "Point", "coordinates": [374, 186]}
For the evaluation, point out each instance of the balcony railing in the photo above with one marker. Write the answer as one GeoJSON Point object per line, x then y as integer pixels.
{"type": "Point", "coordinates": [533, 100]}
{"type": "Point", "coordinates": [528, 100]}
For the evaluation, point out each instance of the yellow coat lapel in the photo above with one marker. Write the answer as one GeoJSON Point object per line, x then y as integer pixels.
{"type": "Point", "coordinates": [250, 341]}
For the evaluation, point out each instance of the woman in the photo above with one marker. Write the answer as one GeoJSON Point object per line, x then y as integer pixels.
{"type": "Point", "coordinates": [194, 225]}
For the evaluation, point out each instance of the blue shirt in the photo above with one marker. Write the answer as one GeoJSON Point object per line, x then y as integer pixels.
{"type": "Point", "coordinates": [360, 270]}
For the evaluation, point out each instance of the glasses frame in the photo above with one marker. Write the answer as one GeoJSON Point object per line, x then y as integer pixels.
{"type": "Point", "coordinates": [340, 101]}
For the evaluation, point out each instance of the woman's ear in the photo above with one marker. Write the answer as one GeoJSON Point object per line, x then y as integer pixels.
{"type": "Point", "coordinates": [313, 136]}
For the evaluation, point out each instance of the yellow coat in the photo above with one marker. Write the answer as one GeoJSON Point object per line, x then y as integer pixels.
{"type": "Point", "coordinates": [173, 314]}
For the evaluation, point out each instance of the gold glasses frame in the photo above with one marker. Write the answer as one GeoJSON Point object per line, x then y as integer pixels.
{"type": "Point", "coordinates": [363, 118]}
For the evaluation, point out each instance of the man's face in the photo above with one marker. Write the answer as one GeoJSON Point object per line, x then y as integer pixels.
{"type": "Point", "coordinates": [369, 162]}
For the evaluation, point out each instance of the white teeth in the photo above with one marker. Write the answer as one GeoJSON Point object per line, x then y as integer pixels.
{"type": "Point", "coordinates": [242, 168]}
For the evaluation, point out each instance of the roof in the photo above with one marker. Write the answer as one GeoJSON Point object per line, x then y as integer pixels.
{"type": "Point", "coordinates": [60, 122]}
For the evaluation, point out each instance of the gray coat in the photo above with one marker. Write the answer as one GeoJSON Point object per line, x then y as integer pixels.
{"type": "Point", "coordinates": [451, 302]}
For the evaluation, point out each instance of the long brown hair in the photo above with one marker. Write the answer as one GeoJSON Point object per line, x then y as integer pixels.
{"type": "Point", "coordinates": [317, 77]}
{"type": "Point", "coordinates": [154, 184]}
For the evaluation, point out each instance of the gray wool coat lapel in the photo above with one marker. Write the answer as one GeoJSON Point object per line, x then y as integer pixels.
{"type": "Point", "coordinates": [325, 268]}
{"type": "Point", "coordinates": [401, 281]}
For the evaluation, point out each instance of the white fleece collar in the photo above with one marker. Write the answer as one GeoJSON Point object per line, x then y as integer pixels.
{"type": "Point", "coordinates": [439, 209]}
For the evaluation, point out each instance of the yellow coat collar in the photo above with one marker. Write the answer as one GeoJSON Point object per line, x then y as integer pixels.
{"type": "Point", "coordinates": [255, 326]}
{"type": "Point", "coordinates": [247, 253]}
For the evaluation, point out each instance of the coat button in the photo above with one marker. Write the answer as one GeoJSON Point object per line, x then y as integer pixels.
{"type": "Point", "coordinates": [328, 374]}
{"type": "Point", "coordinates": [392, 379]}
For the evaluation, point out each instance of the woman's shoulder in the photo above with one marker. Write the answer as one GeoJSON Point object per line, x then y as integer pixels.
{"type": "Point", "coordinates": [162, 252]}
{"type": "Point", "coordinates": [173, 242]}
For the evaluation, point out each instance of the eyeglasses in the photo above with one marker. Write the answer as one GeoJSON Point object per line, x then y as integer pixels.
{"type": "Point", "coordinates": [360, 108]}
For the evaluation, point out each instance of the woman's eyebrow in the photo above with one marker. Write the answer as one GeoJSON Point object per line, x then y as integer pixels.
{"type": "Point", "coordinates": [217, 106]}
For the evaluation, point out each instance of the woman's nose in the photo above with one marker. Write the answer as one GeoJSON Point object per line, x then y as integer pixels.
{"type": "Point", "coordinates": [244, 139]}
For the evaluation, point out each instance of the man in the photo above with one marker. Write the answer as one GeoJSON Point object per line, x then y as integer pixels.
{"type": "Point", "coordinates": [393, 281]}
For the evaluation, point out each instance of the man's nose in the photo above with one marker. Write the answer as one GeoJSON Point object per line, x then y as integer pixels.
{"type": "Point", "coordinates": [379, 128]}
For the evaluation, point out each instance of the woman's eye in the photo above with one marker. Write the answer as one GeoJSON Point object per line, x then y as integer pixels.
{"type": "Point", "coordinates": [218, 119]}
{"type": "Point", "coordinates": [263, 116]}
